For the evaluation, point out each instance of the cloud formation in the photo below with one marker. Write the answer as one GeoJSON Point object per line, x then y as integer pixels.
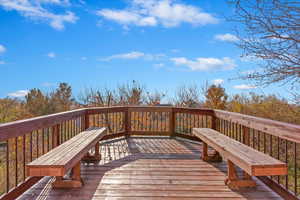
{"type": "Point", "coordinates": [167, 13]}
{"type": "Point", "coordinates": [226, 37]}
{"type": "Point", "coordinates": [205, 64]}
{"type": "Point", "coordinates": [134, 55]}
{"type": "Point", "coordinates": [19, 93]}
{"type": "Point", "coordinates": [244, 87]}
{"type": "Point", "coordinates": [35, 10]}
{"type": "Point", "coordinates": [2, 49]}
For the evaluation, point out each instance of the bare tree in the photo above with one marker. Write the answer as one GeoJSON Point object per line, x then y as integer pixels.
{"type": "Point", "coordinates": [270, 33]}
{"type": "Point", "coordinates": [98, 97]}
{"type": "Point", "coordinates": [154, 98]}
{"type": "Point", "coordinates": [187, 96]}
{"type": "Point", "coordinates": [130, 93]}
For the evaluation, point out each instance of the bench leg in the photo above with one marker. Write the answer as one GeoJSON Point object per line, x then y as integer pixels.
{"type": "Point", "coordinates": [74, 182]}
{"type": "Point", "coordinates": [213, 158]}
{"type": "Point", "coordinates": [233, 180]}
{"type": "Point", "coordinates": [93, 158]}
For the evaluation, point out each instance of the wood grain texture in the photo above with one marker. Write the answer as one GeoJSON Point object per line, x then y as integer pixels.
{"type": "Point", "coordinates": [254, 162]}
{"type": "Point", "coordinates": [138, 168]}
{"type": "Point", "coordinates": [64, 157]}
{"type": "Point", "coordinates": [290, 132]}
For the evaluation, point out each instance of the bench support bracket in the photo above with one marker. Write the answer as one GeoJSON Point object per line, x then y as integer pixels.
{"type": "Point", "coordinates": [234, 182]}
{"type": "Point", "coordinates": [88, 158]}
{"type": "Point", "coordinates": [74, 182]}
{"type": "Point", "coordinates": [213, 158]}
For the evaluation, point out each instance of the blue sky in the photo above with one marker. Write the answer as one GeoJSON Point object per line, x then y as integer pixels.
{"type": "Point", "coordinates": [99, 43]}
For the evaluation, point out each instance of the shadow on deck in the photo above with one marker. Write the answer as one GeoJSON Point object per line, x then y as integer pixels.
{"type": "Point", "coordinates": [150, 168]}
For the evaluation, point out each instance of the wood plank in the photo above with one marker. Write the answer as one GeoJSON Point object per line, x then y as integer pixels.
{"type": "Point", "coordinates": [61, 159]}
{"type": "Point", "coordinates": [290, 132]}
{"type": "Point", "coordinates": [161, 170]}
{"type": "Point", "coordinates": [255, 163]}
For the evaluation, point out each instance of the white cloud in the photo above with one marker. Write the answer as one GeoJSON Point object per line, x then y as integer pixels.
{"type": "Point", "coordinates": [33, 9]}
{"type": "Point", "coordinates": [83, 58]}
{"type": "Point", "coordinates": [159, 65]}
{"type": "Point", "coordinates": [134, 55]}
{"type": "Point", "coordinates": [226, 37]}
{"type": "Point", "coordinates": [244, 87]}
{"type": "Point", "coordinates": [218, 81]}
{"type": "Point", "coordinates": [58, 2]}
{"type": "Point", "coordinates": [2, 49]}
{"type": "Point", "coordinates": [130, 55]}
{"type": "Point", "coordinates": [51, 55]}
{"type": "Point", "coordinates": [167, 13]}
{"type": "Point", "coordinates": [205, 64]}
{"type": "Point", "coordinates": [19, 93]}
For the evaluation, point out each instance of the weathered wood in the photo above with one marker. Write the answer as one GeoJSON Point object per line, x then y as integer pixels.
{"type": "Point", "coordinates": [290, 132]}
{"type": "Point", "coordinates": [253, 162]}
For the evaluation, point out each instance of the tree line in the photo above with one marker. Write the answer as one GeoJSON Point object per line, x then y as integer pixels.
{"type": "Point", "coordinates": [37, 102]}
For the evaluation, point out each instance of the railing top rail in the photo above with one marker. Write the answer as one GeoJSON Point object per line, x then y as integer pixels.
{"type": "Point", "coordinates": [20, 127]}
{"type": "Point", "coordinates": [283, 130]}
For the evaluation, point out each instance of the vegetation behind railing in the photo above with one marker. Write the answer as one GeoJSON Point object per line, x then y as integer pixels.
{"type": "Point", "coordinates": [23, 141]}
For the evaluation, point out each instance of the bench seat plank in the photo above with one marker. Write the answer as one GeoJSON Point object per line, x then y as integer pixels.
{"type": "Point", "coordinates": [253, 162]}
{"type": "Point", "coordinates": [62, 158]}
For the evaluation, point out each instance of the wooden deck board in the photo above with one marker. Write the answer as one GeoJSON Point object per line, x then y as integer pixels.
{"type": "Point", "coordinates": [150, 168]}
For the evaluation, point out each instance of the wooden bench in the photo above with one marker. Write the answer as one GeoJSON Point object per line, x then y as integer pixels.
{"type": "Point", "coordinates": [251, 161]}
{"type": "Point", "coordinates": [67, 156]}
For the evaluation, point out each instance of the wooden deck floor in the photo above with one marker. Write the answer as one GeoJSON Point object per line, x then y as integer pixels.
{"type": "Point", "coordinates": [150, 168]}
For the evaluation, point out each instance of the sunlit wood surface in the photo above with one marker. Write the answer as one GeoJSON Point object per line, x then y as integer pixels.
{"type": "Point", "coordinates": [150, 168]}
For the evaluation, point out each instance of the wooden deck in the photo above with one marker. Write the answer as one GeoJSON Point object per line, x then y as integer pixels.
{"type": "Point", "coordinates": [150, 168]}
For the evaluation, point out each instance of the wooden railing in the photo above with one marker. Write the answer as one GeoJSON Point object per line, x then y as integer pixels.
{"type": "Point", "coordinates": [23, 141]}
{"type": "Point", "coordinates": [277, 139]}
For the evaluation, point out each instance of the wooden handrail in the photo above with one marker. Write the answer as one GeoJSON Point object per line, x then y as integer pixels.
{"type": "Point", "coordinates": [283, 130]}
{"type": "Point", "coordinates": [21, 127]}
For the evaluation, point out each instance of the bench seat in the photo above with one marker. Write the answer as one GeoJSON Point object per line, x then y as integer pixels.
{"type": "Point", "coordinates": [251, 161]}
{"type": "Point", "coordinates": [68, 155]}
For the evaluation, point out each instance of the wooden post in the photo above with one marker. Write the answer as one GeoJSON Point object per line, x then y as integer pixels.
{"type": "Point", "coordinates": [234, 182]}
{"type": "Point", "coordinates": [172, 123]}
{"type": "Point", "coordinates": [55, 135]}
{"type": "Point", "coordinates": [214, 123]}
{"type": "Point", "coordinates": [204, 152]}
{"type": "Point", "coordinates": [86, 121]}
{"type": "Point", "coordinates": [75, 181]}
{"type": "Point", "coordinates": [127, 122]}
{"type": "Point", "coordinates": [246, 135]}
